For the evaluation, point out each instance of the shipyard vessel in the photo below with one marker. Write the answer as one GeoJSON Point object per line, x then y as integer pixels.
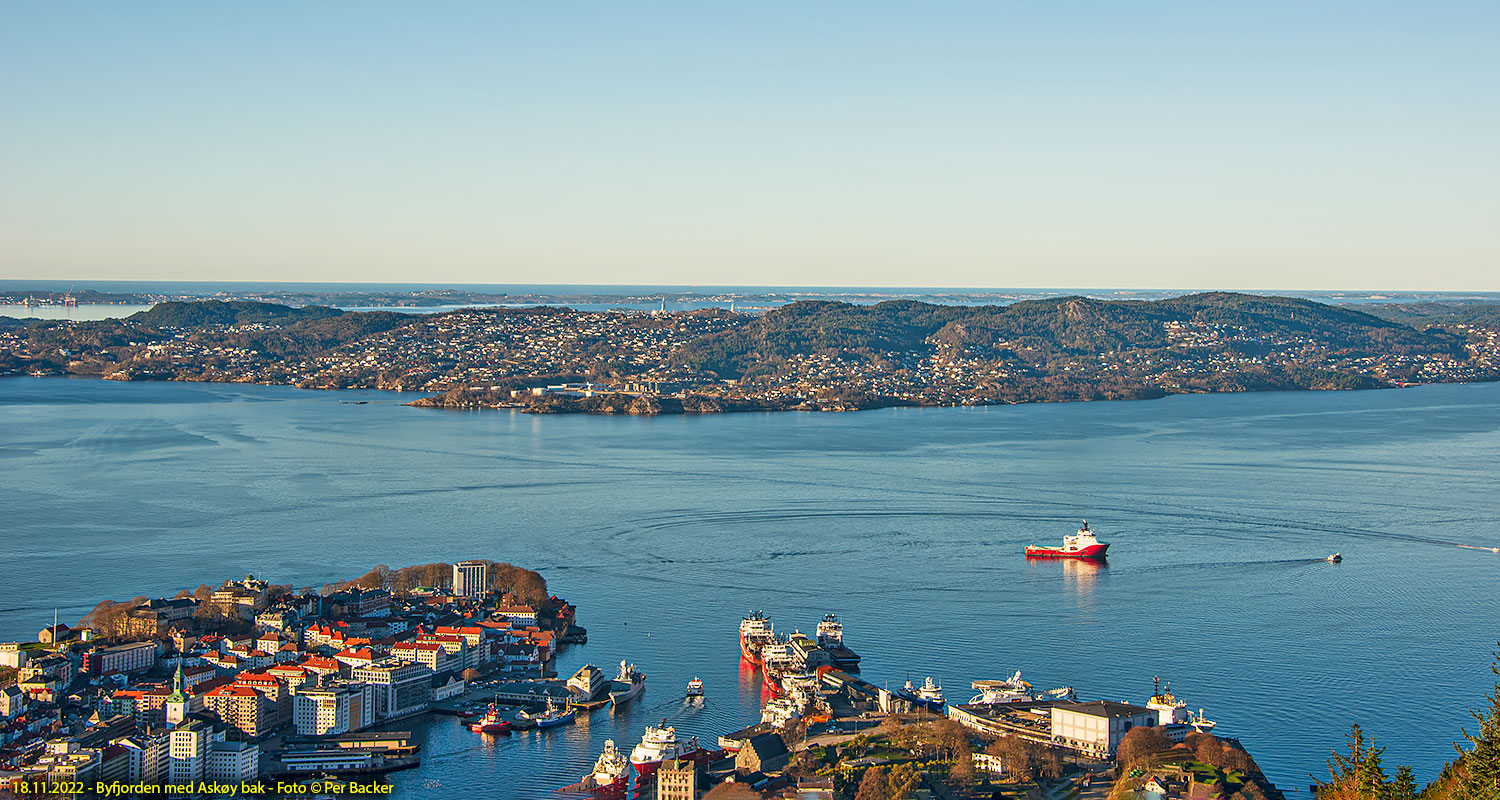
{"type": "Point", "coordinates": [755, 633]}
{"type": "Point", "coordinates": [610, 778]}
{"type": "Point", "coordinates": [929, 695]}
{"type": "Point", "coordinates": [661, 743]}
{"type": "Point", "coordinates": [831, 638]}
{"type": "Point", "coordinates": [1080, 545]}
{"type": "Point", "coordinates": [627, 686]}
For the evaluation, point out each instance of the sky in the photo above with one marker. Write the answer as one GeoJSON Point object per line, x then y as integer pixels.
{"type": "Point", "coordinates": [1265, 145]}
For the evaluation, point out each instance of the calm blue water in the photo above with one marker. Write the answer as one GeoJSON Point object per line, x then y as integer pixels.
{"type": "Point", "coordinates": [908, 523]}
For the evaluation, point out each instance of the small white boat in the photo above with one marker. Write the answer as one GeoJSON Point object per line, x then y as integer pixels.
{"type": "Point", "coordinates": [1335, 558]}
{"type": "Point", "coordinates": [695, 688]}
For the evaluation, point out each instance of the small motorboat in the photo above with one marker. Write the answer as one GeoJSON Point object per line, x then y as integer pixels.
{"type": "Point", "coordinates": [1335, 558]}
{"type": "Point", "coordinates": [695, 688]}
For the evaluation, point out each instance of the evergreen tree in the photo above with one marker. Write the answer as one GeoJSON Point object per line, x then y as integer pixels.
{"type": "Point", "coordinates": [1372, 785]}
{"type": "Point", "coordinates": [1481, 762]}
{"type": "Point", "coordinates": [1403, 786]}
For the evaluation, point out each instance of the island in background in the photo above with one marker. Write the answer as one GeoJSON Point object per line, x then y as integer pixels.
{"type": "Point", "coordinates": [814, 355]}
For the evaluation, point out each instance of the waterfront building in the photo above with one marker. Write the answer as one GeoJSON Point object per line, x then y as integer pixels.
{"type": "Point", "coordinates": [764, 752]}
{"type": "Point", "coordinates": [328, 709]}
{"type": "Point", "coordinates": [678, 779]}
{"type": "Point", "coordinates": [471, 579]}
{"type": "Point", "coordinates": [1096, 728]}
{"type": "Point", "coordinates": [132, 657]}
{"type": "Point", "coordinates": [11, 655]}
{"type": "Point", "coordinates": [429, 654]}
{"type": "Point", "coordinates": [401, 687]}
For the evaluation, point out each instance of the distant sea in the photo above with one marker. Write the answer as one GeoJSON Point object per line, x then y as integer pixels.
{"type": "Point", "coordinates": [908, 523]}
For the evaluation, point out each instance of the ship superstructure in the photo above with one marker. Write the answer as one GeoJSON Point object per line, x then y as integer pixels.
{"type": "Point", "coordinates": [755, 633]}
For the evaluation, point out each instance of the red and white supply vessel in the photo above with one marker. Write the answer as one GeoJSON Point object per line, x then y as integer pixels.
{"type": "Point", "coordinates": [755, 633]}
{"type": "Point", "coordinates": [1080, 545]}
{"type": "Point", "coordinates": [610, 778]}
{"type": "Point", "coordinates": [661, 743]}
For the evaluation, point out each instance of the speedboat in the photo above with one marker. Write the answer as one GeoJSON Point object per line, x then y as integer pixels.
{"type": "Point", "coordinates": [1335, 558]}
{"type": "Point", "coordinates": [1080, 545]}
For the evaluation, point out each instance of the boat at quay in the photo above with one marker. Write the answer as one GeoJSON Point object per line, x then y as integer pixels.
{"type": "Point", "coordinates": [755, 633]}
{"type": "Point", "coordinates": [627, 686]}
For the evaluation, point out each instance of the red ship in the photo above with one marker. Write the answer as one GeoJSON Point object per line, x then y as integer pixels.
{"type": "Point", "coordinates": [1080, 545]}
{"type": "Point", "coordinates": [490, 722]}
{"type": "Point", "coordinates": [755, 633]}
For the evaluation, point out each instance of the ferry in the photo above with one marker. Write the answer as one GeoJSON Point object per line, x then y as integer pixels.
{"type": "Point", "coordinates": [661, 743]}
{"type": "Point", "coordinates": [755, 633]}
{"type": "Point", "coordinates": [695, 687]}
{"type": "Point", "coordinates": [1080, 545]}
{"type": "Point", "coordinates": [491, 722]}
{"type": "Point", "coordinates": [610, 778]}
{"type": "Point", "coordinates": [628, 685]}
{"type": "Point", "coordinates": [553, 716]}
{"type": "Point", "coordinates": [831, 638]}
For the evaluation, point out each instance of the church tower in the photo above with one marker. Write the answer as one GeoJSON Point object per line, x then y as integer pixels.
{"type": "Point", "coordinates": [177, 702]}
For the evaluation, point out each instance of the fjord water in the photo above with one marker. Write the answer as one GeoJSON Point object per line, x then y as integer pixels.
{"type": "Point", "coordinates": [907, 523]}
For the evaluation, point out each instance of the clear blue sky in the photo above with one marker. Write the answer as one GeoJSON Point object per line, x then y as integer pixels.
{"type": "Point", "coordinates": [1296, 145]}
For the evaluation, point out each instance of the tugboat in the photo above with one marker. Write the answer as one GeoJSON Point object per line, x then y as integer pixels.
{"type": "Point", "coordinates": [695, 687]}
{"type": "Point", "coordinates": [755, 633]}
{"type": "Point", "coordinates": [661, 743]}
{"type": "Point", "coordinates": [1080, 545]}
{"type": "Point", "coordinates": [627, 686]}
{"type": "Point", "coordinates": [610, 778]}
{"type": "Point", "coordinates": [831, 638]}
{"type": "Point", "coordinates": [490, 722]}
{"type": "Point", "coordinates": [1335, 558]}
{"type": "Point", "coordinates": [553, 716]}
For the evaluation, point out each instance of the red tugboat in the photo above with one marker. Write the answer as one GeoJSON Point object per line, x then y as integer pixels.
{"type": "Point", "coordinates": [490, 723]}
{"type": "Point", "coordinates": [1080, 545]}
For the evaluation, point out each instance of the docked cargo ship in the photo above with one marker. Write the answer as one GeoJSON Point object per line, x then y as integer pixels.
{"type": "Point", "coordinates": [1080, 545]}
{"type": "Point", "coordinates": [755, 633]}
{"type": "Point", "coordinates": [610, 778]}
{"type": "Point", "coordinates": [831, 638]}
{"type": "Point", "coordinates": [661, 743]}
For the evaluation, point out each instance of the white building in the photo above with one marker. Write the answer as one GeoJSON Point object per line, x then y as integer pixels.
{"type": "Point", "coordinates": [11, 655]}
{"type": "Point", "coordinates": [187, 751]}
{"type": "Point", "coordinates": [401, 687]}
{"type": "Point", "coordinates": [333, 709]}
{"type": "Point", "coordinates": [1096, 728]}
{"type": "Point", "coordinates": [471, 579]}
{"type": "Point", "coordinates": [148, 757]}
{"type": "Point", "coordinates": [232, 762]}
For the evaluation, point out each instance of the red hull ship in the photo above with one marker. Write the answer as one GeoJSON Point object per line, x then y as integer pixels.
{"type": "Point", "coordinates": [755, 633]}
{"type": "Point", "coordinates": [490, 723]}
{"type": "Point", "coordinates": [1080, 545]}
